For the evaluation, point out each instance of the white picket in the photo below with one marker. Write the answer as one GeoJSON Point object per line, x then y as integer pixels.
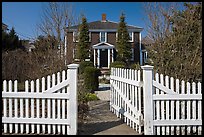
{"type": "Point", "coordinates": [139, 100]}
{"type": "Point", "coordinates": [194, 108]}
{"type": "Point", "coordinates": [43, 104]}
{"type": "Point", "coordinates": [199, 109]}
{"type": "Point", "coordinates": [38, 104]}
{"type": "Point", "coordinates": [48, 105]}
{"type": "Point", "coordinates": [177, 107]}
{"type": "Point", "coordinates": [53, 105]}
{"type": "Point", "coordinates": [183, 107]}
{"type": "Point", "coordinates": [5, 104]}
{"type": "Point", "coordinates": [16, 105]}
{"type": "Point", "coordinates": [167, 104]}
{"type": "Point", "coordinates": [58, 104]}
{"type": "Point", "coordinates": [68, 103]}
{"type": "Point", "coordinates": [188, 109]}
{"type": "Point", "coordinates": [158, 110]}
{"type": "Point", "coordinates": [27, 105]}
{"type": "Point", "coordinates": [63, 104]}
{"type": "Point", "coordinates": [162, 104]}
{"type": "Point", "coordinates": [172, 104]}
{"type": "Point", "coordinates": [32, 106]}
{"type": "Point", "coordinates": [21, 115]}
{"type": "Point", "coordinates": [10, 107]}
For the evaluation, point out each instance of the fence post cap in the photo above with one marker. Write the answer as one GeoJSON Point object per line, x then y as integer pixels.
{"type": "Point", "coordinates": [147, 67]}
{"type": "Point", "coordinates": [73, 66]}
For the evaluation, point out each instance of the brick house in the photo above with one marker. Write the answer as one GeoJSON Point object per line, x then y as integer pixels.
{"type": "Point", "coordinates": [102, 38]}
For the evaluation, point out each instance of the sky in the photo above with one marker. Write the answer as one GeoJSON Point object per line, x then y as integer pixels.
{"type": "Point", "coordinates": [24, 16]}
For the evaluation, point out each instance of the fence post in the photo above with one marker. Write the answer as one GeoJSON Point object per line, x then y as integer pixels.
{"type": "Point", "coordinates": [148, 101]}
{"type": "Point", "coordinates": [73, 68]}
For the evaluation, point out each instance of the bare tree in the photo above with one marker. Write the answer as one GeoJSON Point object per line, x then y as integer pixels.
{"type": "Point", "coordinates": [55, 18]}
{"type": "Point", "coordinates": [176, 34]}
{"type": "Point", "coordinates": [158, 18]}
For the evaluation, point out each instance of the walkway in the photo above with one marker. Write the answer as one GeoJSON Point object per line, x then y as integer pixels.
{"type": "Point", "coordinates": [100, 121]}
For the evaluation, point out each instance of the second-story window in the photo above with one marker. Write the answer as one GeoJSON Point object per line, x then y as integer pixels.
{"type": "Point", "coordinates": [76, 36]}
{"type": "Point", "coordinates": [103, 36]}
{"type": "Point", "coordinates": [131, 36]}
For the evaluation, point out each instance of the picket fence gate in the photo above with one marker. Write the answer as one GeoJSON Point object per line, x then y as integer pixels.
{"type": "Point", "coordinates": [48, 106]}
{"type": "Point", "coordinates": [154, 104]}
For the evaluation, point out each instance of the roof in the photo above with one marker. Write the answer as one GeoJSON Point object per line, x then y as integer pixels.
{"type": "Point", "coordinates": [106, 25]}
{"type": "Point", "coordinates": [4, 26]}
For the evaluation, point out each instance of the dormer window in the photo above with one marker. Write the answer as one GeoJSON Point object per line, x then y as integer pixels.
{"type": "Point", "coordinates": [103, 36]}
{"type": "Point", "coordinates": [131, 36]}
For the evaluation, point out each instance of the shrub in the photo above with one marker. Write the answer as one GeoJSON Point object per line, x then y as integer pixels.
{"type": "Point", "coordinates": [90, 75]}
{"type": "Point", "coordinates": [83, 65]}
{"type": "Point", "coordinates": [135, 66]}
{"type": "Point", "coordinates": [91, 97]}
{"type": "Point", "coordinates": [117, 64]}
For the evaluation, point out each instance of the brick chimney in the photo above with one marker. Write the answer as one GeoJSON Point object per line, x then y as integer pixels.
{"type": "Point", "coordinates": [103, 17]}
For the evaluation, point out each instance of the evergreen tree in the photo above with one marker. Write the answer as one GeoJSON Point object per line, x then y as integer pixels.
{"type": "Point", "coordinates": [14, 40]}
{"type": "Point", "coordinates": [123, 47]}
{"type": "Point", "coordinates": [10, 41]}
{"type": "Point", "coordinates": [83, 44]}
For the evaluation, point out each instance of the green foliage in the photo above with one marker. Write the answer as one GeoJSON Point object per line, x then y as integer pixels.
{"type": "Point", "coordinates": [135, 66]}
{"type": "Point", "coordinates": [83, 44]}
{"type": "Point", "coordinates": [83, 65]}
{"type": "Point", "coordinates": [91, 81]}
{"type": "Point", "coordinates": [117, 64]}
{"type": "Point", "coordinates": [10, 41]}
{"type": "Point", "coordinates": [91, 97]}
{"type": "Point", "coordinates": [123, 47]}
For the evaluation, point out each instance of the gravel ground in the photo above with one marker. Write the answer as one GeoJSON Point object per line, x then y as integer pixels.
{"type": "Point", "coordinates": [101, 121]}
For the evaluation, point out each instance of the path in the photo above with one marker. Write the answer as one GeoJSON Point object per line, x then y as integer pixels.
{"type": "Point", "coordinates": [100, 121]}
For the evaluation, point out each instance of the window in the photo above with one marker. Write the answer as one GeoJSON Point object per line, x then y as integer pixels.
{"type": "Point", "coordinates": [116, 35]}
{"type": "Point", "coordinates": [144, 56]}
{"type": "Point", "coordinates": [103, 36]}
{"type": "Point", "coordinates": [74, 53]}
{"type": "Point", "coordinates": [132, 58]}
{"type": "Point", "coordinates": [89, 36]}
{"type": "Point", "coordinates": [76, 36]}
{"type": "Point", "coordinates": [131, 36]}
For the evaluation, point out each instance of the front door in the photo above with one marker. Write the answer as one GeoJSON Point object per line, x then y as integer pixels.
{"type": "Point", "coordinates": [104, 58]}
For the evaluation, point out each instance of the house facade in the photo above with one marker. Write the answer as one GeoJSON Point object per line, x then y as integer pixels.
{"type": "Point", "coordinates": [102, 42]}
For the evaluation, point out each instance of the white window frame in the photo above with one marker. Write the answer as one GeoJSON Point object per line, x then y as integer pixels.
{"type": "Point", "coordinates": [75, 33]}
{"type": "Point", "coordinates": [74, 36]}
{"type": "Point", "coordinates": [131, 38]}
{"type": "Point", "coordinates": [105, 36]}
{"type": "Point", "coordinates": [144, 56]}
{"type": "Point", "coordinates": [116, 36]}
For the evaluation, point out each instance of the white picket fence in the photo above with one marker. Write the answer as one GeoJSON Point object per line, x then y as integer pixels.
{"type": "Point", "coordinates": [47, 106]}
{"type": "Point", "coordinates": [125, 96]}
{"type": "Point", "coordinates": [168, 107]}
